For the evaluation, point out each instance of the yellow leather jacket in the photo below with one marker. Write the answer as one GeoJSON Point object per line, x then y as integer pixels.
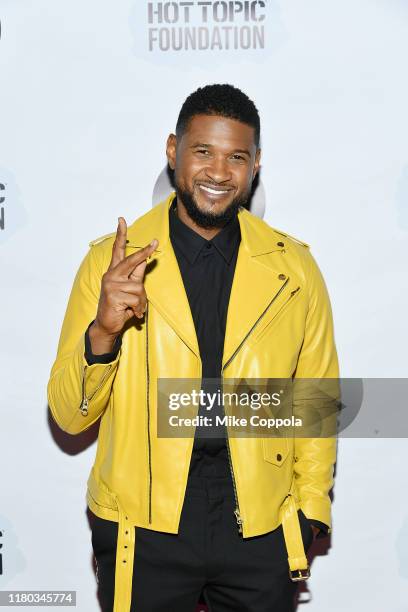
{"type": "Point", "coordinates": [279, 325]}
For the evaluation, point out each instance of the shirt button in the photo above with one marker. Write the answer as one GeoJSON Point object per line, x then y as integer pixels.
{"type": "Point", "coordinates": [208, 245]}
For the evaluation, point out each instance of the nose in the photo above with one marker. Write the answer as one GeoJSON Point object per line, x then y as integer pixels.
{"type": "Point", "coordinates": [217, 170]}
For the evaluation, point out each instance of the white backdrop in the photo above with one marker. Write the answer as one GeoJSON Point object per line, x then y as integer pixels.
{"type": "Point", "coordinates": [85, 110]}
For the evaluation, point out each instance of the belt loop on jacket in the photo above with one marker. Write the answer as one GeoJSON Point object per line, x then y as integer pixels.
{"type": "Point", "coordinates": [298, 564]}
{"type": "Point", "coordinates": [125, 549]}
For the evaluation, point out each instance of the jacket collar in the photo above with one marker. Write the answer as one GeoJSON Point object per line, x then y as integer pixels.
{"type": "Point", "coordinates": [255, 240]}
{"type": "Point", "coordinates": [260, 287]}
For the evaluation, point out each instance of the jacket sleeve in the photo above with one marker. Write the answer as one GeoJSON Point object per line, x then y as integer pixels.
{"type": "Point", "coordinates": [78, 392]}
{"type": "Point", "coordinates": [317, 401]}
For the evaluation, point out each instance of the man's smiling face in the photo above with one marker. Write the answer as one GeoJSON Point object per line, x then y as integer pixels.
{"type": "Point", "coordinates": [214, 165]}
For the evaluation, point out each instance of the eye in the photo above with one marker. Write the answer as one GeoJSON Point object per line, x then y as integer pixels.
{"type": "Point", "coordinates": [238, 156]}
{"type": "Point", "coordinates": [202, 151]}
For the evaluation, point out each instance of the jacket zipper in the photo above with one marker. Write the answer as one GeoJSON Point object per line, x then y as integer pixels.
{"type": "Point", "coordinates": [85, 400]}
{"type": "Point", "coordinates": [237, 512]}
{"type": "Point", "coordinates": [148, 414]}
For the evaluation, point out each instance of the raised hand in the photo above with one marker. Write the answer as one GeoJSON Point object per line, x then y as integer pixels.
{"type": "Point", "coordinates": [122, 291]}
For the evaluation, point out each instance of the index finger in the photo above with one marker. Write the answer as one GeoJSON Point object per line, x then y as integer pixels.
{"type": "Point", "coordinates": [119, 246]}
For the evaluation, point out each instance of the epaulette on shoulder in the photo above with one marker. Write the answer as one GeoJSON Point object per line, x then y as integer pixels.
{"type": "Point", "coordinates": [101, 239]}
{"type": "Point", "coordinates": [305, 244]}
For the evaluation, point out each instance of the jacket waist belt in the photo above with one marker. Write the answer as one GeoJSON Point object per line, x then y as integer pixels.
{"type": "Point", "coordinates": [298, 564]}
{"type": "Point", "coordinates": [125, 549]}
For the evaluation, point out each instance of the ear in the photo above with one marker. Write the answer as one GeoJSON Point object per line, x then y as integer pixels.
{"type": "Point", "coordinates": [257, 163]}
{"type": "Point", "coordinates": [171, 149]}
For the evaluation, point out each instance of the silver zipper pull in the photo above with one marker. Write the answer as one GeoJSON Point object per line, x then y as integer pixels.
{"type": "Point", "coordinates": [238, 519]}
{"type": "Point", "coordinates": [84, 407]}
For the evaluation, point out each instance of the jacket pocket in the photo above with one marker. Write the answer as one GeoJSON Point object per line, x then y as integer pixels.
{"type": "Point", "coordinates": [275, 450]}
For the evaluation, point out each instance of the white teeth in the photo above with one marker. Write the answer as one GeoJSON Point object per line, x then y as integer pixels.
{"type": "Point", "coordinates": [216, 192]}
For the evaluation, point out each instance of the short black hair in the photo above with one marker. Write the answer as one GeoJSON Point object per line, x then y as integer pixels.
{"type": "Point", "coordinates": [219, 99]}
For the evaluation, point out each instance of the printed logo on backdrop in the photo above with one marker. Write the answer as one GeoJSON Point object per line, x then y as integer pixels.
{"type": "Point", "coordinates": [2, 199]}
{"type": "Point", "coordinates": [202, 29]}
{"type": "Point", "coordinates": [12, 561]}
{"type": "Point", "coordinates": [12, 213]}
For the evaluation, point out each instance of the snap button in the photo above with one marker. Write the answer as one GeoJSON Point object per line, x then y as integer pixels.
{"type": "Point", "coordinates": [282, 276]}
{"type": "Point", "coordinates": [280, 243]}
{"type": "Point", "coordinates": [279, 457]}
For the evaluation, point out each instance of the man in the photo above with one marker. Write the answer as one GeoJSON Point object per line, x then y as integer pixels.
{"type": "Point", "coordinates": [197, 288]}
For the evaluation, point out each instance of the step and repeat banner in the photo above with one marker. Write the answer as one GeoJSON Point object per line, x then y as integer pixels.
{"type": "Point", "coordinates": [90, 92]}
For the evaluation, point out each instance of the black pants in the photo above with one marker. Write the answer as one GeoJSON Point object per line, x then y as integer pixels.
{"type": "Point", "coordinates": [207, 556]}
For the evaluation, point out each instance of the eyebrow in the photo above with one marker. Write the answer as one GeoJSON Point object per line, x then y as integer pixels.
{"type": "Point", "coordinates": [203, 144]}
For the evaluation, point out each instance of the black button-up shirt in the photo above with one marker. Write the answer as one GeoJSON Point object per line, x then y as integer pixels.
{"type": "Point", "coordinates": [207, 268]}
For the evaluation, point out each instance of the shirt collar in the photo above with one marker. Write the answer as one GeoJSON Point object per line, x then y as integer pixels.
{"type": "Point", "coordinates": [190, 243]}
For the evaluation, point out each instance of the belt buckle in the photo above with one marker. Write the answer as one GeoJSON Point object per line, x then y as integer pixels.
{"type": "Point", "coordinates": [302, 574]}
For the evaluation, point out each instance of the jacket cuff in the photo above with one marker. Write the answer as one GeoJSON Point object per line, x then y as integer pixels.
{"type": "Point", "coordinates": [317, 509]}
{"type": "Point", "coordinates": [104, 357]}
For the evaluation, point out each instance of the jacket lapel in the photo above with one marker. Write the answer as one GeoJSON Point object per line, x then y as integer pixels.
{"type": "Point", "coordinates": [258, 292]}
{"type": "Point", "coordinates": [163, 281]}
{"type": "Point", "coordinates": [262, 282]}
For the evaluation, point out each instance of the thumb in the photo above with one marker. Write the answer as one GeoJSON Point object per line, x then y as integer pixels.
{"type": "Point", "coordinates": [138, 272]}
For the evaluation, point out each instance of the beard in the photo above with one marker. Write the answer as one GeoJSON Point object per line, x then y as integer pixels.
{"type": "Point", "coordinates": [209, 219]}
